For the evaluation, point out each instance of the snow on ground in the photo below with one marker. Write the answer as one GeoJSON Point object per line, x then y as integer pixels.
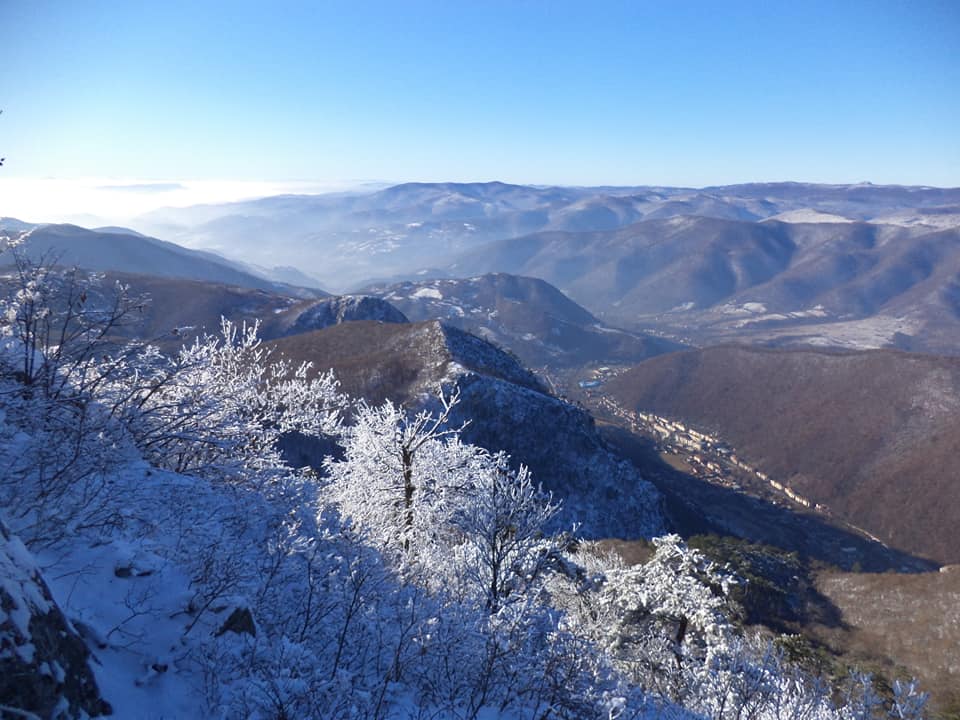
{"type": "Point", "coordinates": [817, 311]}
{"type": "Point", "coordinates": [427, 292]}
{"type": "Point", "coordinates": [866, 334]}
{"type": "Point", "coordinates": [129, 592]}
{"type": "Point", "coordinates": [807, 215]}
{"type": "Point", "coordinates": [748, 308]}
{"type": "Point", "coordinates": [141, 656]}
{"type": "Point", "coordinates": [934, 221]}
{"type": "Point", "coordinates": [605, 329]}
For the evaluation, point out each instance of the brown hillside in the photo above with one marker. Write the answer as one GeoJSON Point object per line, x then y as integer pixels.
{"type": "Point", "coordinates": [373, 360]}
{"type": "Point", "coordinates": [507, 407]}
{"type": "Point", "coordinates": [910, 619]}
{"type": "Point", "coordinates": [874, 436]}
{"type": "Point", "coordinates": [401, 361]}
{"type": "Point", "coordinates": [175, 303]}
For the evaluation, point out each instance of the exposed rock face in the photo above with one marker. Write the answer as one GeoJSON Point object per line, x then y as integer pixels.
{"type": "Point", "coordinates": [43, 661]}
{"type": "Point", "coordinates": [475, 354]}
{"type": "Point", "coordinates": [240, 622]}
{"type": "Point", "coordinates": [602, 493]}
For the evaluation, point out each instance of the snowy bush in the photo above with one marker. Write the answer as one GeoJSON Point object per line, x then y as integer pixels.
{"type": "Point", "coordinates": [56, 355]}
{"type": "Point", "coordinates": [221, 404]}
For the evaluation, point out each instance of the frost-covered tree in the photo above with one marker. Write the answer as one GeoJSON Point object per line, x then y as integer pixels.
{"type": "Point", "coordinates": [503, 544]}
{"type": "Point", "coordinates": [662, 622]}
{"type": "Point", "coordinates": [667, 626]}
{"type": "Point", "coordinates": [58, 324]}
{"type": "Point", "coordinates": [56, 357]}
{"type": "Point", "coordinates": [397, 474]}
{"type": "Point", "coordinates": [220, 405]}
{"type": "Point", "coordinates": [454, 512]}
{"type": "Point", "coordinates": [78, 402]}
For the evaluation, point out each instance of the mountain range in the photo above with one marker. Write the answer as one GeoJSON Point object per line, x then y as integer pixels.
{"type": "Point", "coordinates": [585, 296]}
{"type": "Point", "coordinates": [482, 284]}
{"type": "Point", "coordinates": [778, 263]}
{"type": "Point", "coordinates": [706, 280]}
{"type": "Point", "coordinates": [344, 239]}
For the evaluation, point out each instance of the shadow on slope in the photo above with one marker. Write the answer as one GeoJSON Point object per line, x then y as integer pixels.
{"type": "Point", "coordinates": [694, 507]}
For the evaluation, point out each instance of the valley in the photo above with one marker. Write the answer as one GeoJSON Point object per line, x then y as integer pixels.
{"type": "Point", "coordinates": [712, 490]}
{"type": "Point", "coordinates": [849, 599]}
{"type": "Point", "coordinates": [838, 428]}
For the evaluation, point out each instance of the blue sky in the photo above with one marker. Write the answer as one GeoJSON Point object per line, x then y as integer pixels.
{"type": "Point", "coordinates": [673, 93]}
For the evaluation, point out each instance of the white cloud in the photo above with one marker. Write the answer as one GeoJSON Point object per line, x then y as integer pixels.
{"type": "Point", "coordinates": [116, 201]}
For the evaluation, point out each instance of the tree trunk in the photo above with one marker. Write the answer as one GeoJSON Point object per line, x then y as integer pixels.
{"type": "Point", "coordinates": [406, 458]}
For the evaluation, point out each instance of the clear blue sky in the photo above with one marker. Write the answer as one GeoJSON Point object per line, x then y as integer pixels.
{"type": "Point", "coordinates": [669, 92]}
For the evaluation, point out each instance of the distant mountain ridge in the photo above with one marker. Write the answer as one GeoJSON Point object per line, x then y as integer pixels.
{"type": "Point", "coordinates": [120, 250]}
{"type": "Point", "coordinates": [709, 279]}
{"type": "Point", "coordinates": [781, 264]}
{"type": "Point", "coordinates": [346, 238]}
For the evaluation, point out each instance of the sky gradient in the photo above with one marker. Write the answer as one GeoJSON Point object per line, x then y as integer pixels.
{"type": "Point", "coordinates": [327, 93]}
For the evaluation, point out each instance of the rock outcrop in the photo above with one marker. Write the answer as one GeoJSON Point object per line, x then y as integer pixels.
{"type": "Point", "coordinates": [44, 663]}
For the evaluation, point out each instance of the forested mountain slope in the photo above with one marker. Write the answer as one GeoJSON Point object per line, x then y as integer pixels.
{"type": "Point", "coordinates": [528, 316]}
{"type": "Point", "coordinates": [853, 284]}
{"type": "Point", "coordinates": [873, 436]}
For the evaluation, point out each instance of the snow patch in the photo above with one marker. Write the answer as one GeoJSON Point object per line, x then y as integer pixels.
{"type": "Point", "coordinates": [605, 329]}
{"type": "Point", "coordinates": [427, 292]}
{"type": "Point", "coordinates": [808, 215]}
{"type": "Point", "coordinates": [817, 311]}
